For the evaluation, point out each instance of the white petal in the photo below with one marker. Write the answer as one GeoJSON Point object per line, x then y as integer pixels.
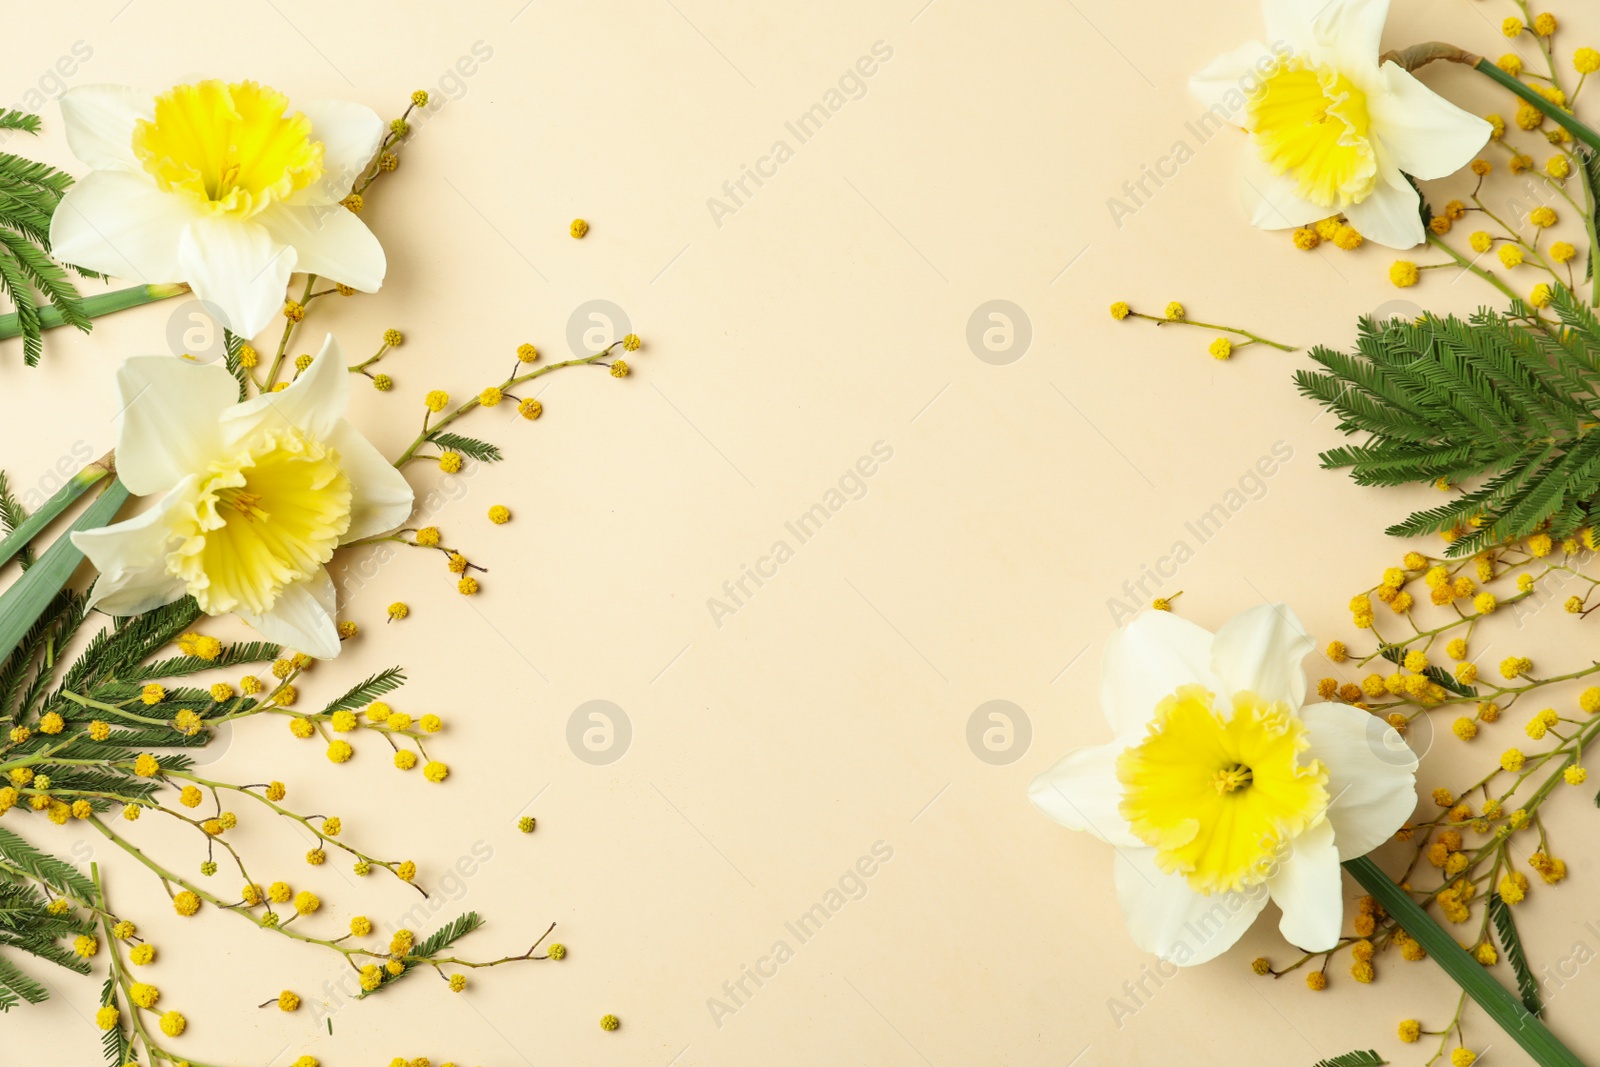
{"type": "Point", "coordinates": [1232, 76]}
{"type": "Point", "coordinates": [1260, 650]}
{"type": "Point", "coordinates": [1309, 889]}
{"type": "Point", "coordinates": [1349, 32]}
{"type": "Point", "coordinates": [1168, 918]}
{"type": "Point", "coordinates": [1372, 785]}
{"type": "Point", "coordinates": [1273, 201]}
{"type": "Point", "coordinates": [329, 241]}
{"type": "Point", "coordinates": [1391, 214]}
{"type": "Point", "coordinates": [302, 618]}
{"type": "Point", "coordinates": [381, 498]}
{"type": "Point", "coordinates": [1290, 21]}
{"type": "Point", "coordinates": [131, 559]}
{"type": "Point", "coordinates": [1346, 32]}
{"type": "Point", "coordinates": [169, 420]}
{"type": "Point", "coordinates": [350, 134]}
{"type": "Point", "coordinates": [314, 403]}
{"type": "Point", "coordinates": [99, 122]}
{"type": "Point", "coordinates": [120, 224]}
{"type": "Point", "coordinates": [1420, 131]}
{"type": "Point", "coordinates": [1148, 659]}
{"type": "Point", "coordinates": [237, 266]}
{"type": "Point", "coordinates": [1081, 792]}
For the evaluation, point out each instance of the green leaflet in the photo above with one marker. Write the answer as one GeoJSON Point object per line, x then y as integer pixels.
{"type": "Point", "coordinates": [436, 942]}
{"type": "Point", "coordinates": [385, 681]}
{"type": "Point", "coordinates": [1505, 927]}
{"type": "Point", "coordinates": [482, 451]}
{"type": "Point", "coordinates": [1497, 404]}
{"type": "Point", "coordinates": [43, 867]}
{"type": "Point", "coordinates": [29, 193]}
{"type": "Point", "coordinates": [1361, 1058]}
{"type": "Point", "coordinates": [1396, 654]}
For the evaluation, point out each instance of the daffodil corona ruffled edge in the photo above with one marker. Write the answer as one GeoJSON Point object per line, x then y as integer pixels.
{"type": "Point", "coordinates": [1221, 790]}
{"type": "Point", "coordinates": [252, 498]}
{"type": "Point", "coordinates": [223, 185]}
{"type": "Point", "coordinates": [1333, 130]}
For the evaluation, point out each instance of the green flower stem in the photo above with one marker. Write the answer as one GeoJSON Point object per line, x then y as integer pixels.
{"type": "Point", "coordinates": [23, 603]}
{"type": "Point", "coordinates": [79, 484]}
{"type": "Point", "coordinates": [1468, 265]}
{"type": "Point", "coordinates": [111, 709]}
{"type": "Point", "coordinates": [1561, 116]}
{"type": "Point", "coordinates": [97, 305]}
{"type": "Point", "coordinates": [322, 838]}
{"type": "Point", "coordinates": [288, 333]}
{"type": "Point", "coordinates": [350, 954]}
{"type": "Point", "coordinates": [1542, 44]}
{"type": "Point", "coordinates": [210, 898]}
{"type": "Point", "coordinates": [515, 380]}
{"type": "Point", "coordinates": [528, 955]}
{"type": "Point", "coordinates": [1498, 1002]}
{"type": "Point", "coordinates": [118, 975]}
{"type": "Point", "coordinates": [1255, 339]}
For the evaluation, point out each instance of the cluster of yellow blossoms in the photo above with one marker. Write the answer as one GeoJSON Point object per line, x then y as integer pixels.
{"type": "Point", "coordinates": [1489, 838]}
{"type": "Point", "coordinates": [1335, 230]}
{"type": "Point", "coordinates": [1519, 237]}
{"type": "Point", "coordinates": [133, 1006]}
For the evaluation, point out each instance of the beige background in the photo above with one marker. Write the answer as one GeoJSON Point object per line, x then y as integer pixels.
{"type": "Point", "coordinates": [827, 313]}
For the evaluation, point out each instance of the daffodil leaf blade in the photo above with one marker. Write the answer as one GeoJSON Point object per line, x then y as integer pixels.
{"type": "Point", "coordinates": [1513, 1017]}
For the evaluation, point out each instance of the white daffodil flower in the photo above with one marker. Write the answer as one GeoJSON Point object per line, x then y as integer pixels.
{"type": "Point", "coordinates": [253, 497]}
{"type": "Point", "coordinates": [1221, 791]}
{"type": "Point", "coordinates": [219, 185]}
{"type": "Point", "coordinates": [1332, 130]}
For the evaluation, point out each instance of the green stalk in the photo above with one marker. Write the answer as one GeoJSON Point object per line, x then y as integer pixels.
{"type": "Point", "coordinates": [1522, 1026]}
{"type": "Point", "coordinates": [1419, 55]}
{"type": "Point", "coordinates": [23, 603]}
{"type": "Point", "coordinates": [1562, 117]}
{"type": "Point", "coordinates": [29, 529]}
{"type": "Point", "coordinates": [97, 305]}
